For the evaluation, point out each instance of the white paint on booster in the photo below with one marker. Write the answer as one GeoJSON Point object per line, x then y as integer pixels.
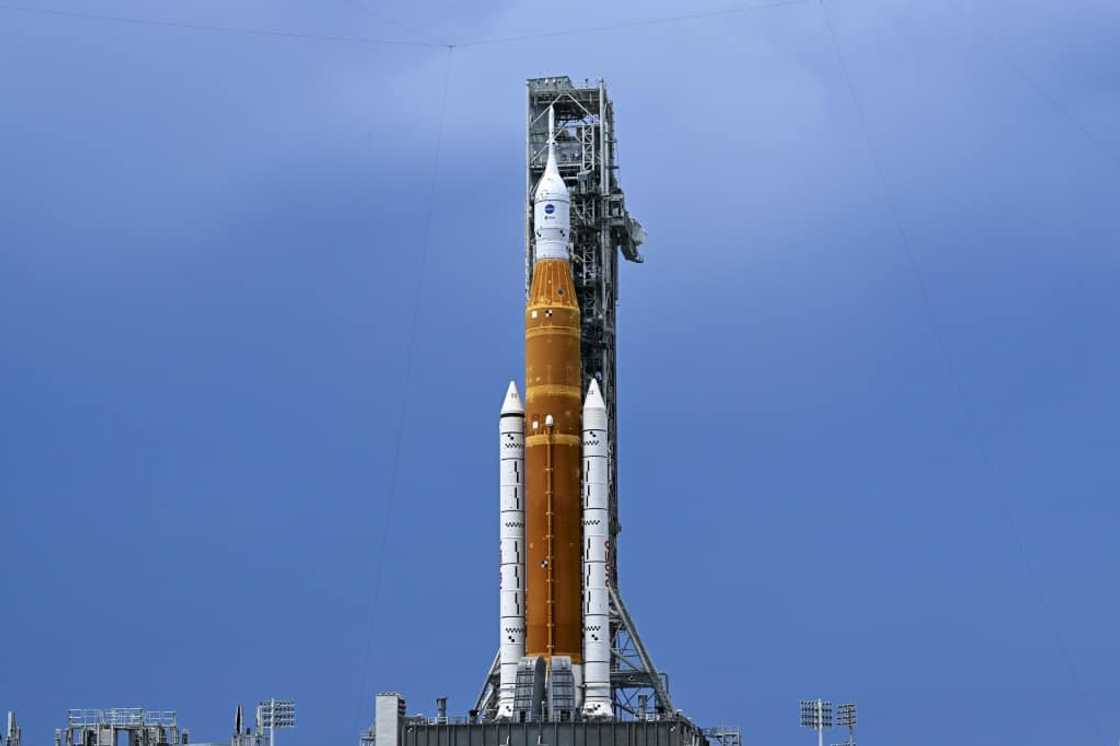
{"type": "Point", "coordinates": [511, 454]}
{"type": "Point", "coordinates": [596, 541]}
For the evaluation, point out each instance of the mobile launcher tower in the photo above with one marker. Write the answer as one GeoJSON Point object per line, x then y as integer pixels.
{"type": "Point", "coordinates": [571, 669]}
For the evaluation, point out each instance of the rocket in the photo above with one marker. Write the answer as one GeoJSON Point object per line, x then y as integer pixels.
{"type": "Point", "coordinates": [553, 495]}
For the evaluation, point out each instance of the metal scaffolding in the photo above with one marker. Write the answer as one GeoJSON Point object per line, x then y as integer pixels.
{"type": "Point", "coordinates": [143, 727]}
{"type": "Point", "coordinates": [725, 735]}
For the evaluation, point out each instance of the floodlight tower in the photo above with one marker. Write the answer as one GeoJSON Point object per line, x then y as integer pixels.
{"type": "Point", "coordinates": [846, 718]}
{"type": "Point", "coordinates": [275, 713]}
{"type": "Point", "coordinates": [816, 714]}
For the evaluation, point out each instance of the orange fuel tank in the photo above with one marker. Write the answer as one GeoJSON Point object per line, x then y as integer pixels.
{"type": "Point", "coordinates": [553, 519]}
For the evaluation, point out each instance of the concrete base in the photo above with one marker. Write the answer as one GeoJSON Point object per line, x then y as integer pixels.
{"type": "Point", "coordinates": [628, 733]}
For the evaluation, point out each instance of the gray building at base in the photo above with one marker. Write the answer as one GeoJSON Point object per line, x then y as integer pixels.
{"type": "Point", "coordinates": [395, 728]}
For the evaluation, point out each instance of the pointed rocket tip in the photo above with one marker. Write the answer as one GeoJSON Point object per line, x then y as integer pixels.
{"type": "Point", "coordinates": [512, 403]}
{"type": "Point", "coordinates": [551, 168]}
{"type": "Point", "coordinates": [551, 186]}
{"type": "Point", "coordinates": [551, 165]}
{"type": "Point", "coordinates": [594, 398]}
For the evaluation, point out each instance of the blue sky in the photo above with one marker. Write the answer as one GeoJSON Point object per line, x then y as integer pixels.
{"type": "Point", "coordinates": [868, 406]}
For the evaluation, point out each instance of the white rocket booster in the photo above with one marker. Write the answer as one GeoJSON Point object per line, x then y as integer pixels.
{"type": "Point", "coordinates": [596, 541]}
{"type": "Point", "coordinates": [511, 452]}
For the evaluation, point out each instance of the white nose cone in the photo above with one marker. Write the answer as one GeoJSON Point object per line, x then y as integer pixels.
{"type": "Point", "coordinates": [551, 207]}
{"type": "Point", "coordinates": [594, 412]}
{"type": "Point", "coordinates": [594, 398]}
{"type": "Point", "coordinates": [551, 187]}
{"type": "Point", "coordinates": [512, 403]}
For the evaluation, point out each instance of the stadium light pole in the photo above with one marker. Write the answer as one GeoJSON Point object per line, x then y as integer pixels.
{"type": "Point", "coordinates": [846, 718]}
{"type": "Point", "coordinates": [276, 713]}
{"type": "Point", "coordinates": [816, 714]}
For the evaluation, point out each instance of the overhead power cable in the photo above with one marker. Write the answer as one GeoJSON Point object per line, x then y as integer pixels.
{"type": "Point", "coordinates": [374, 595]}
{"type": "Point", "coordinates": [956, 379]}
{"type": "Point", "coordinates": [348, 38]}
{"type": "Point", "coordinates": [623, 25]}
{"type": "Point", "coordinates": [373, 41]}
{"type": "Point", "coordinates": [1062, 112]}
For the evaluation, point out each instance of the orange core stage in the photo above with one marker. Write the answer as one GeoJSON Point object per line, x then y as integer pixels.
{"type": "Point", "coordinates": [553, 519]}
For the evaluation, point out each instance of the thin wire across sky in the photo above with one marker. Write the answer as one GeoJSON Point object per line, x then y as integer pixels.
{"type": "Point", "coordinates": [380, 41]}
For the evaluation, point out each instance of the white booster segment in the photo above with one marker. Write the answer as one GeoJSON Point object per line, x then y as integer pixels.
{"type": "Point", "coordinates": [552, 206]}
{"type": "Point", "coordinates": [511, 452]}
{"type": "Point", "coordinates": [596, 545]}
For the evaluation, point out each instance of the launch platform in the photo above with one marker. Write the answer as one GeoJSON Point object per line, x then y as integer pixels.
{"type": "Point", "coordinates": [618, 733]}
{"type": "Point", "coordinates": [394, 728]}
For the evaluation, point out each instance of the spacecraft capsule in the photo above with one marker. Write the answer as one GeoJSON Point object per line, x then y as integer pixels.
{"type": "Point", "coordinates": [551, 209]}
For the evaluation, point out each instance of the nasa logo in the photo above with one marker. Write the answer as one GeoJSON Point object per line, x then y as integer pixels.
{"type": "Point", "coordinates": [549, 208]}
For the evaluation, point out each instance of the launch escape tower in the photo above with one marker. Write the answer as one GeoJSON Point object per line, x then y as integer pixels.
{"type": "Point", "coordinates": [601, 229]}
